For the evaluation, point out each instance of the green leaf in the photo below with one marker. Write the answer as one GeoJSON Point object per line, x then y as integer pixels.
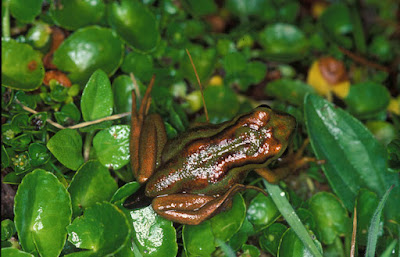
{"type": "Point", "coordinates": [5, 158]}
{"type": "Point", "coordinates": [283, 42]}
{"type": "Point", "coordinates": [217, 98]}
{"type": "Point", "coordinates": [271, 237]}
{"type": "Point", "coordinates": [7, 229]}
{"type": "Point", "coordinates": [262, 212]}
{"type": "Point", "coordinates": [353, 157]}
{"type": "Point", "coordinates": [103, 230]}
{"type": "Point", "coordinates": [97, 98]}
{"type": "Point", "coordinates": [66, 146]}
{"type": "Point", "coordinates": [291, 91]}
{"type": "Point", "coordinates": [367, 202]}
{"type": "Point", "coordinates": [375, 224]}
{"type": "Point", "coordinates": [92, 183]}
{"type": "Point", "coordinates": [198, 240]}
{"type": "Point", "coordinates": [25, 11]}
{"type": "Point", "coordinates": [21, 66]}
{"type": "Point", "coordinates": [122, 87]}
{"type": "Point", "coordinates": [13, 252]}
{"type": "Point", "coordinates": [89, 49]}
{"type": "Point", "coordinates": [112, 146]}
{"type": "Point", "coordinates": [287, 211]}
{"type": "Point", "coordinates": [291, 245]}
{"type": "Point", "coordinates": [199, 8]}
{"type": "Point", "coordinates": [74, 14]}
{"type": "Point", "coordinates": [367, 99]}
{"type": "Point", "coordinates": [135, 24]}
{"type": "Point", "coordinates": [42, 212]}
{"type": "Point", "coordinates": [124, 192]}
{"type": "Point", "coordinates": [330, 216]}
{"type": "Point", "coordinates": [152, 234]}
{"type": "Point", "coordinates": [257, 8]}
{"type": "Point", "coordinates": [227, 223]}
{"type": "Point", "coordinates": [141, 65]}
{"type": "Point", "coordinates": [38, 153]}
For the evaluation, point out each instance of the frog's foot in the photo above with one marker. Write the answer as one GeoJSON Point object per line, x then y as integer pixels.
{"type": "Point", "coordinates": [192, 209]}
{"type": "Point", "coordinates": [288, 165]}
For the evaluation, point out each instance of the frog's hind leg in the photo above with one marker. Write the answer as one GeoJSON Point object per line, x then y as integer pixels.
{"type": "Point", "coordinates": [192, 209]}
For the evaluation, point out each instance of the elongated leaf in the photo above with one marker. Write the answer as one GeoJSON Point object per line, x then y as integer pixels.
{"type": "Point", "coordinates": [97, 97]}
{"type": "Point", "coordinates": [13, 252]}
{"type": "Point", "coordinates": [278, 196]}
{"type": "Point", "coordinates": [42, 213]}
{"type": "Point", "coordinates": [353, 157]}
{"type": "Point", "coordinates": [374, 227]}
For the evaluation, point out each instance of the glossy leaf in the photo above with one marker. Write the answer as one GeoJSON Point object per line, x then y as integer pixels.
{"type": "Point", "coordinates": [122, 87]}
{"type": "Point", "coordinates": [262, 9]}
{"type": "Point", "coordinates": [291, 246]}
{"type": "Point", "coordinates": [353, 157]}
{"type": "Point", "coordinates": [38, 153]}
{"type": "Point", "coordinates": [25, 11]}
{"type": "Point", "coordinates": [92, 183]}
{"type": "Point", "coordinates": [66, 146]}
{"type": "Point", "coordinates": [198, 240]}
{"type": "Point", "coordinates": [330, 216]}
{"type": "Point", "coordinates": [21, 66]}
{"type": "Point", "coordinates": [97, 98]}
{"type": "Point", "coordinates": [7, 229]}
{"type": "Point", "coordinates": [42, 212]}
{"type": "Point", "coordinates": [74, 14]}
{"type": "Point", "coordinates": [14, 252]}
{"type": "Point", "coordinates": [103, 230]}
{"type": "Point", "coordinates": [87, 50]}
{"type": "Point", "coordinates": [124, 192]}
{"type": "Point", "coordinates": [262, 211]}
{"type": "Point", "coordinates": [135, 23]}
{"type": "Point", "coordinates": [271, 237]}
{"type": "Point", "coordinates": [141, 65]}
{"type": "Point", "coordinates": [217, 98]}
{"type": "Point", "coordinates": [152, 234]}
{"type": "Point", "coordinates": [112, 146]}
{"type": "Point", "coordinates": [227, 223]}
{"type": "Point", "coordinates": [205, 7]}
{"type": "Point", "coordinates": [283, 42]}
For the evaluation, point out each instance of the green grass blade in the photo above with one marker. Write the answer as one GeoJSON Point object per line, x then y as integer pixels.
{"type": "Point", "coordinates": [287, 211]}
{"type": "Point", "coordinates": [374, 227]}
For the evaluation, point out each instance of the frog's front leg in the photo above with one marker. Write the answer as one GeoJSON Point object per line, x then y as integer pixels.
{"type": "Point", "coordinates": [192, 209]}
{"type": "Point", "coordinates": [147, 139]}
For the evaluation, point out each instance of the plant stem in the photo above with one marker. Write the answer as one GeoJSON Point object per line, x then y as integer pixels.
{"type": "Point", "coordinates": [6, 21]}
{"type": "Point", "coordinates": [87, 145]}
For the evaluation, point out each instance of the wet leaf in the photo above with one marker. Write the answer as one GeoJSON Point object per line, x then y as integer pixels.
{"type": "Point", "coordinates": [103, 230]}
{"type": "Point", "coordinates": [112, 146]}
{"type": "Point", "coordinates": [21, 66]}
{"type": "Point", "coordinates": [91, 184]}
{"type": "Point", "coordinates": [66, 146]}
{"type": "Point", "coordinates": [42, 212]}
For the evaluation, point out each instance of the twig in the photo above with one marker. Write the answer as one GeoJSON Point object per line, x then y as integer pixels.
{"type": "Point", "coordinates": [198, 81]}
{"type": "Point", "coordinates": [362, 60]}
{"type": "Point", "coordinates": [353, 237]}
{"type": "Point", "coordinates": [80, 125]}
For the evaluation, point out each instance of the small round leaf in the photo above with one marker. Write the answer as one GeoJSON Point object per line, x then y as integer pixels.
{"type": "Point", "coordinates": [112, 146]}
{"type": "Point", "coordinates": [92, 183]}
{"type": "Point", "coordinates": [87, 50]}
{"type": "Point", "coordinates": [21, 66]}
{"type": "Point", "coordinates": [42, 212]}
{"type": "Point", "coordinates": [103, 229]}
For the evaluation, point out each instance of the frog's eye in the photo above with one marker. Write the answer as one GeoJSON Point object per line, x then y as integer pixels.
{"type": "Point", "coordinates": [264, 106]}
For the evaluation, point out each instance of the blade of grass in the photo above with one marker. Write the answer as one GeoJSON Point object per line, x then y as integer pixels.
{"type": "Point", "coordinates": [374, 226]}
{"type": "Point", "coordinates": [287, 211]}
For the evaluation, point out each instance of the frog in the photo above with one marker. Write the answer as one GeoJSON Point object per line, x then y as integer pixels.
{"type": "Point", "coordinates": [193, 177]}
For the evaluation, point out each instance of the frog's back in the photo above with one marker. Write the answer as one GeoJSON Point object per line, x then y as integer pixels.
{"type": "Point", "coordinates": [221, 157]}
